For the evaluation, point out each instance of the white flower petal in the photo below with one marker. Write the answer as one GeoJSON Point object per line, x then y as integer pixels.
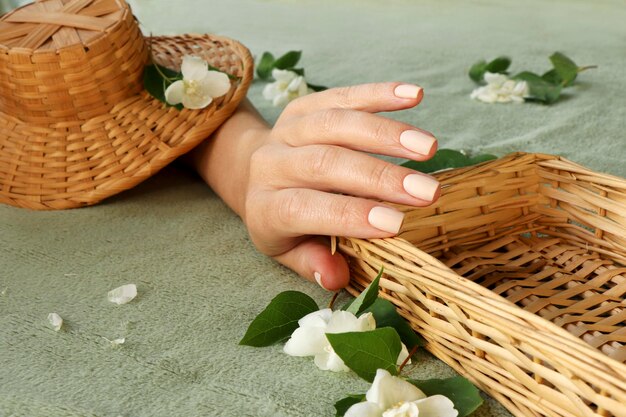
{"type": "Point", "coordinates": [196, 102]}
{"type": "Point", "coordinates": [388, 390]}
{"type": "Point", "coordinates": [270, 91]}
{"type": "Point", "coordinates": [406, 409]}
{"type": "Point", "coordinates": [342, 322]}
{"type": "Point", "coordinates": [319, 318]}
{"type": "Point", "coordinates": [496, 79]}
{"type": "Point", "coordinates": [364, 409]}
{"type": "Point", "coordinates": [283, 76]}
{"type": "Point", "coordinates": [216, 84]}
{"type": "Point", "coordinates": [436, 406]}
{"type": "Point", "coordinates": [194, 68]}
{"type": "Point", "coordinates": [365, 323]}
{"type": "Point", "coordinates": [175, 92]}
{"type": "Point", "coordinates": [328, 360]}
{"type": "Point", "coordinates": [521, 89]}
{"type": "Point", "coordinates": [123, 294]}
{"type": "Point", "coordinates": [295, 84]}
{"type": "Point", "coordinates": [55, 321]}
{"type": "Point", "coordinates": [306, 341]}
{"type": "Point", "coordinates": [281, 100]}
{"type": "Point", "coordinates": [404, 353]}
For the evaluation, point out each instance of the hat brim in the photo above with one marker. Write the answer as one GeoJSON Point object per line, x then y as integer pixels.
{"type": "Point", "coordinates": [74, 164]}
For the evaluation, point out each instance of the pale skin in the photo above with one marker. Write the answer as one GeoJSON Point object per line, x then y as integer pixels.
{"type": "Point", "coordinates": [308, 176]}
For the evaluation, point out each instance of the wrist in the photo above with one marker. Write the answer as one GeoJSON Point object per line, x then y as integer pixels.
{"type": "Point", "coordinates": [223, 160]}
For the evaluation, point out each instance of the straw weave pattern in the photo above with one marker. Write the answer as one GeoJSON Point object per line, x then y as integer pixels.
{"type": "Point", "coordinates": [75, 123]}
{"type": "Point", "coordinates": [516, 277]}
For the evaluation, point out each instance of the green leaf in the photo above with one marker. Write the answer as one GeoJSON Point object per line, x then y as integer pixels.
{"type": "Point", "coordinates": [344, 404]}
{"type": "Point", "coordinates": [365, 352]}
{"type": "Point", "coordinates": [540, 89]}
{"type": "Point", "coordinates": [367, 297]}
{"type": "Point", "coordinates": [155, 83]}
{"type": "Point", "coordinates": [499, 65]}
{"type": "Point", "coordinates": [446, 158]}
{"type": "Point", "coordinates": [317, 87]}
{"type": "Point", "coordinates": [460, 391]}
{"type": "Point", "coordinates": [279, 319]}
{"type": "Point", "coordinates": [477, 71]}
{"type": "Point", "coordinates": [288, 61]}
{"type": "Point", "coordinates": [386, 315]}
{"type": "Point", "coordinates": [479, 159]}
{"type": "Point", "coordinates": [299, 71]}
{"type": "Point", "coordinates": [265, 66]}
{"type": "Point", "coordinates": [552, 77]}
{"type": "Point", "coordinates": [566, 69]}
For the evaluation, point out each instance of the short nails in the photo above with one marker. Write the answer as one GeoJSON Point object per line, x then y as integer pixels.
{"type": "Point", "coordinates": [407, 91]}
{"type": "Point", "coordinates": [421, 186]}
{"type": "Point", "coordinates": [318, 279]}
{"type": "Point", "coordinates": [386, 219]}
{"type": "Point", "coordinates": [418, 142]}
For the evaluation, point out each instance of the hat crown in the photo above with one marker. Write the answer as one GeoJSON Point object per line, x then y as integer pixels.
{"type": "Point", "coordinates": [69, 60]}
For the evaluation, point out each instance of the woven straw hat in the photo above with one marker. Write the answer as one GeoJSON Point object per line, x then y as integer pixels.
{"type": "Point", "coordinates": [76, 125]}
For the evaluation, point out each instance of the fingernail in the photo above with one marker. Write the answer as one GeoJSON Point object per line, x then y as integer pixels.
{"type": "Point", "coordinates": [418, 142]}
{"type": "Point", "coordinates": [421, 186]}
{"type": "Point", "coordinates": [386, 219]}
{"type": "Point", "coordinates": [407, 91]}
{"type": "Point", "coordinates": [318, 279]}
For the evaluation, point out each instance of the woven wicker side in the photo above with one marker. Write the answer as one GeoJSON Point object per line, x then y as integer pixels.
{"type": "Point", "coordinates": [516, 279]}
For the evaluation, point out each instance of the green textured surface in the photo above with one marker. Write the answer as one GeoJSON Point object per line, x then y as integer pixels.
{"type": "Point", "coordinates": [200, 280]}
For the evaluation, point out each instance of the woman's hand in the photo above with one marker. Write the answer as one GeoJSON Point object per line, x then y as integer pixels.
{"type": "Point", "coordinates": [308, 177]}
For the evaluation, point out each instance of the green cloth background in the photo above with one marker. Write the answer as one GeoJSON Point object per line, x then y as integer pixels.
{"type": "Point", "coordinates": [200, 279]}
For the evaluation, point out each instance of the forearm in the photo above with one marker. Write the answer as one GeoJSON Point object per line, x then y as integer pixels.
{"type": "Point", "coordinates": [223, 159]}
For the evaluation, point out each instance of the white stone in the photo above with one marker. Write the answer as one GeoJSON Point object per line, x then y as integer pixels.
{"type": "Point", "coordinates": [55, 321]}
{"type": "Point", "coordinates": [124, 294]}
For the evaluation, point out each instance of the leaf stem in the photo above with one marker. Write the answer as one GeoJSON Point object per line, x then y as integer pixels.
{"type": "Point", "coordinates": [411, 353]}
{"type": "Point", "coordinates": [588, 67]}
{"type": "Point", "coordinates": [165, 77]}
{"type": "Point", "coordinates": [332, 300]}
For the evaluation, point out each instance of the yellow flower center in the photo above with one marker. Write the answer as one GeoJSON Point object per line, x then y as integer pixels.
{"type": "Point", "coordinates": [191, 87]}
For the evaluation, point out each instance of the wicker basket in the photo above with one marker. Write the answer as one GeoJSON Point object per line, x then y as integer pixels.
{"type": "Point", "coordinates": [516, 279]}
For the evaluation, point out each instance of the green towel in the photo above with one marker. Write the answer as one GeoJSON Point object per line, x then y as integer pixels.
{"type": "Point", "coordinates": [199, 278]}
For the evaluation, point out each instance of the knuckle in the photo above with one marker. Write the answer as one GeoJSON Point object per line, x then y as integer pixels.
{"type": "Point", "coordinates": [289, 208]}
{"type": "Point", "coordinates": [322, 161]}
{"type": "Point", "coordinates": [344, 211]}
{"type": "Point", "coordinates": [293, 106]}
{"type": "Point", "coordinates": [381, 176]}
{"type": "Point", "coordinates": [380, 133]}
{"type": "Point", "coordinates": [261, 162]}
{"type": "Point", "coordinates": [346, 96]}
{"type": "Point", "coordinates": [327, 121]}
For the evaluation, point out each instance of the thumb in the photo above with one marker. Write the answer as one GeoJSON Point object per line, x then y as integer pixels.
{"type": "Point", "coordinates": [312, 260]}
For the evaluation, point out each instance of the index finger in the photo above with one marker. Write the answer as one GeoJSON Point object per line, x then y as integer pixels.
{"type": "Point", "coordinates": [372, 98]}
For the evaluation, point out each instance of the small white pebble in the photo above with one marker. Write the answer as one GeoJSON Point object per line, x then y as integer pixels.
{"type": "Point", "coordinates": [124, 294]}
{"type": "Point", "coordinates": [115, 342]}
{"type": "Point", "coordinates": [55, 321]}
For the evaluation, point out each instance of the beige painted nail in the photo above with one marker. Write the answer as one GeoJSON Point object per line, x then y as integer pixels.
{"type": "Point", "coordinates": [418, 142]}
{"type": "Point", "coordinates": [421, 186]}
{"type": "Point", "coordinates": [318, 279]}
{"type": "Point", "coordinates": [386, 219]}
{"type": "Point", "coordinates": [407, 91]}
